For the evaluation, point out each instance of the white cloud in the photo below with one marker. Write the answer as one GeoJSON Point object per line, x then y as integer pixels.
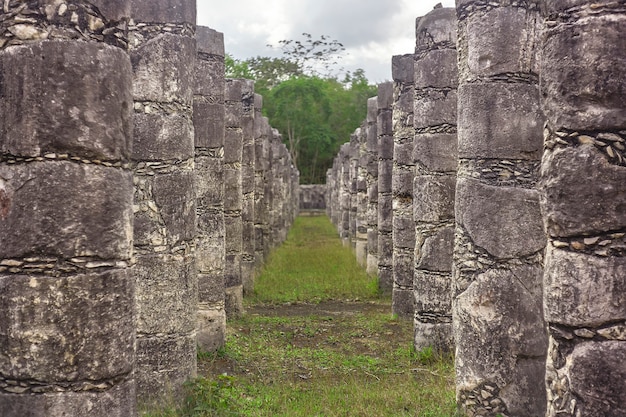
{"type": "Point", "coordinates": [371, 30]}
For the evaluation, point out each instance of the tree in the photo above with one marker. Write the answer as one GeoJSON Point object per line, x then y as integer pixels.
{"type": "Point", "coordinates": [306, 101]}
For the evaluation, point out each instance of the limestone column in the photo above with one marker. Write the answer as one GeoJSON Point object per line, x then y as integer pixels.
{"type": "Point", "coordinates": [498, 323]}
{"type": "Point", "coordinates": [583, 178]}
{"type": "Point", "coordinates": [261, 154]}
{"type": "Point", "coordinates": [435, 157]}
{"type": "Point", "coordinates": [372, 186]}
{"type": "Point", "coordinates": [385, 197]}
{"type": "Point", "coordinates": [67, 324]}
{"type": "Point", "coordinates": [238, 96]}
{"type": "Point", "coordinates": [353, 178]}
{"type": "Point", "coordinates": [402, 186]}
{"type": "Point", "coordinates": [163, 54]}
{"type": "Point", "coordinates": [344, 194]}
{"type": "Point", "coordinates": [208, 119]}
{"type": "Point", "coordinates": [247, 190]}
{"type": "Point", "coordinates": [361, 197]}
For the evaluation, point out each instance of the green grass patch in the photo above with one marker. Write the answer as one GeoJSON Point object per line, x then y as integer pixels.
{"type": "Point", "coordinates": [312, 265]}
{"type": "Point", "coordinates": [297, 354]}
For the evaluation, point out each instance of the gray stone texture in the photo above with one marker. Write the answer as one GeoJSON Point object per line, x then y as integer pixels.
{"type": "Point", "coordinates": [582, 183]}
{"type": "Point", "coordinates": [403, 172]}
{"type": "Point", "coordinates": [313, 197]}
{"type": "Point", "coordinates": [67, 316]}
{"type": "Point", "coordinates": [362, 201]}
{"type": "Point", "coordinates": [384, 129]}
{"type": "Point", "coordinates": [498, 254]}
{"type": "Point", "coordinates": [208, 118]}
{"type": "Point", "coordinates": [163, 55]}
{"type": "Point", "coordinates": [371, 160]}
{"type": "Point", "coordinates": [248, 174]}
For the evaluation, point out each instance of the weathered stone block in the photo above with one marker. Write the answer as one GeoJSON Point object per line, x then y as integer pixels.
{"type": "Point", "coordinates": [174, 195]}
{"type": "Point", "coordinates": [437, 69]}
{"type": "Point", "coordinates": [233, 146]}
{"type": "Point", "coordinates": [434, 252]}
{"type": "Point", "coordinates": [209, 78]}
{"type": "Point", "coordinates": [402, 68]}
{"type": "Point", "coordinates": [211, 325]}
{"type": "Point", "coordinates": [432, 293]}
{"type": "Point", "coordinates": [435, 28]}
{"type": "Point", "coordinates": [210, 41]}
{"type": "Point", "coordinates": [66, 329]}
{"type": "Point", "coordinates": [209, 182]}
{"type": "Point", "coordinates": [164, 68]}
{"type": "Point", "coordinates": [433, 198]}
{"type": "Point", "coordinates": [582, 192]}
{"type": "Point", "coordinates": [168, 11]}
{"type": "Point", "coordinates": [403, 153]}
{"type": "Point", "coordinates": [434, 335]}
{"type": "Point", "coordinates": [164, 364]}
{"type": "Point", "coordinates": [37, 217]}
{"type": "Point", "coordinates": [437, 108]}
{"type": "Point", "coordinates": [403, 232]}
{"type": "Point", "coordinates": [162, 137]}
{"type": "Point", "coordinates": [208, 123]}
{"type": "Point", "coordinates": [166, 280]}
{"type": "Point", "coordinates": [118, 401]}
{"type": "Point", "coordinates": [582, 80]}
{"type": "Point", "coordinates": [385, 206]}
{"type": "Point", "coordinates": [501, 40]}
{"type": "Point", "coordinates": [499, 313]}
{"type": "Point", "coordinates": [66, 97]}
{"type": "Point", "coordinates": [403, 267]}
{"type": "Point", "coordinates": [504, 221]}
{"type": "Point", "coordinates": [402, 182]}
{"type": "Point", "coordinates": [232, 189]}
{"type": "Point", "coordinates": [598, 377]}
{"type": "Point", "coordinates": [403, 302]}
{"type": "Point", "coordinates": [211, 289]}
{"type": "Point", "coordinates": [436, 152]}
{"type": "Point", "coordinates": [491, 114]}
{"type": "Point", "coordinates": [584, 290]}
{"type": "Point", "coordinates": [385, 168]}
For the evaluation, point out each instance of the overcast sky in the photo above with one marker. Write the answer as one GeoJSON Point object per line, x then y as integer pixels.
{"type": "Point", "coordinates": [372, 31]}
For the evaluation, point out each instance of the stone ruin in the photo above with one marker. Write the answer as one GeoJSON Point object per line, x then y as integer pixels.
{"type": "Point", "coordinates": [501, 222]}
{"type": "Point", "coordinates": [140, 190]}
{"type": "Point", "coordinates": [135, 204]}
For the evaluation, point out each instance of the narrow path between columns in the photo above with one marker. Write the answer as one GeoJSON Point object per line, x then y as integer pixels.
{"type": "Point", "coordinates": [317, 340]}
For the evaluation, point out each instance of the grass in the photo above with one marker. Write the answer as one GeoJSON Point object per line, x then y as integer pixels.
{"type": "Point", "coordinates": [321, 358]}
{"type": "Point", "coordinates": [312, 265]}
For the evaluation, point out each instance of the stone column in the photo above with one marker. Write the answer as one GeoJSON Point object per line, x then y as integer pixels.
{"type": "Point", "coordinates": [247, 190]}
{"type": "Point", "coordinates": [344, 194]}
{"type": "Point", "coordinates": [435, 157]}
{"type": "Point", "coordinates": [498, 323]}
{"type": "Point", "coordinates": [584, 199]}
{"type": "Point", "coordinates": [402, 186]}
{"type": "Point", "coordinates": [239, 95]}
{"type": "Point", "coordinates": [361, 197]}
{"type": "Point", "coordinates": [208, 118]}
{"type": "Point", "coordinates": [372, 186]}
{"type": "Point", "coordinates": [261, 154]}
{"type": "Point", "coordinates": [353, 178]}
{"type": "Point", "coordinates": [163, 53]}
{"type": "Point", "coordinates": [67, 325]}
{"type": "Point", "coordinates": [385, 198]}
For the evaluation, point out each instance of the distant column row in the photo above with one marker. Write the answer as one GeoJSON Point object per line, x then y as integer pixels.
{"type": "Point", "coordinates": [529, 298]}
{"type": "Point", "coordinates": [139, 192]}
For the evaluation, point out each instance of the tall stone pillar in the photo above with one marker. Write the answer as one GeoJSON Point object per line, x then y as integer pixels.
{"type": "Point", "coordinates": [385, 197]}
{"type": "Point", "coordinates": [353, 178]}
{"type": "Point", "coordinates": [247, 190]}
{"type": "Point", "coordinates": [67, 324]}
{"type": "Point", "coordinates": [163, 54]}
{"type": "Point", "coordinates": [435, 157]}
{"type": "Point", "coordinates": [372, 186]}
{"type": "Point", "coordinates": [498, 325]}
{"type": "Point", "coordinates": [344, 194]}
{"type": "Point", "coordinates": [262, 131]}
{"type": "Point", "coordinates": [403, 299]}
{"type": "Point", "coordinates": [239, 96]}
{"type": "Point", "coordinates": [361, 197]}
{"type": "Point", "coordinates": [208, 119]}
{"type": "Point", "coordinates": [584, 199]}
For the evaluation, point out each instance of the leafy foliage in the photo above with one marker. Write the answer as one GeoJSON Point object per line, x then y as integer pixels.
{"type": "Point", "coordinates": [314, 110]}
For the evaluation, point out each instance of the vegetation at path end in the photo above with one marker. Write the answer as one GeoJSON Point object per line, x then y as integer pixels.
{"type": "Point", "coordinates": [303, 349]}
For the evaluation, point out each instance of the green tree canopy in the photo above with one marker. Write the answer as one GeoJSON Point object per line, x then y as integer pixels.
{"type": "Point", "coordinates": [314, 113]}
